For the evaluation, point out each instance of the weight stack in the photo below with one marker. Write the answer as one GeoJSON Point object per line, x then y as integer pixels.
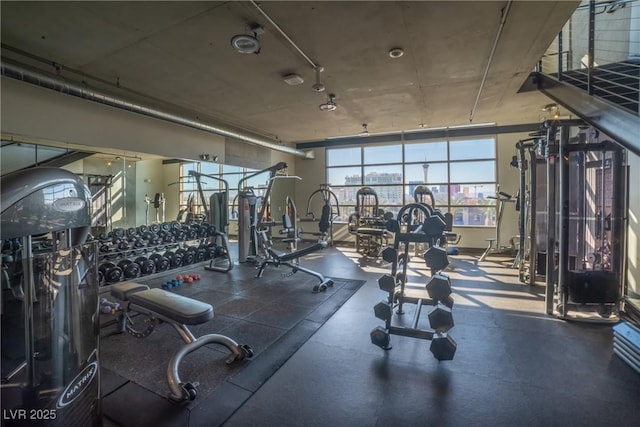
{"type": "Point", "coordinates": [626, 344]}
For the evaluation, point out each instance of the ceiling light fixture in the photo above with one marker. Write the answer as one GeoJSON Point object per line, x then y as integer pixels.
{"type": "Point", "coordinates": [330, 105]}
{"type": "Point", "coordinates": [365, 130]}
{"type": "Point", "coordinates": [245, 43]}
{"type": "Point", "coordinates": [318, 87]}
{"type": "Point", "coordinates": [396, 52]}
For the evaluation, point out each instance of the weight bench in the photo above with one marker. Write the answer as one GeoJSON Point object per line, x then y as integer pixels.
{"type": "Point", "coordinates": [178, 311]}
{"type": "Point", "coordinates": [283, 258]}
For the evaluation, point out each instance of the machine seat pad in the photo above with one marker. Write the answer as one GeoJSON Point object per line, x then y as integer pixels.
{"type": "Point", "coordinates": [288, 256]}
{"type": "Point", "coordinates": [371, 231]}
{"type": "Point", "coordinates": [183, 310]}
{"type": "Point", "coordinates": [123, 290]}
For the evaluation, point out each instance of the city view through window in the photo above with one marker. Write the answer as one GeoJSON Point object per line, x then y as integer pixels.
{"type": "Point", "coordinates": [460, 173]}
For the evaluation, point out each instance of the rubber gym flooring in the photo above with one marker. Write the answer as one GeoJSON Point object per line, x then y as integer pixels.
{"type": "Point", "coordinates": [514, 365]}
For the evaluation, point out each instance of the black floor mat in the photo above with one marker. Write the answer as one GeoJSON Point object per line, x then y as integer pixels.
{"type": "Point", "coordinates": [275, 315]}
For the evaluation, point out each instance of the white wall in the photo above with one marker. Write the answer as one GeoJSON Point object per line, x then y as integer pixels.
{"type": "Point", "coordinates": [36, 112]}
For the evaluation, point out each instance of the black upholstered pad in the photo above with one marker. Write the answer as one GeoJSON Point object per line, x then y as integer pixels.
{"type": "Point", "coordinates": [371, 231]}
{"type": "Point", "coordinates": [288, 256]}
{"type": "Point", "coordinates": [183, 310]}
{"type": "Point", "coordinates": [123, 290]}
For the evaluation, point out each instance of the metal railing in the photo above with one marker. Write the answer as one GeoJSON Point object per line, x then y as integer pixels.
{"type": "Point", "coordinates": [598, 50]}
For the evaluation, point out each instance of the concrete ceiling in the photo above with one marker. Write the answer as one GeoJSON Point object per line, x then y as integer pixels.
{"type": "Point", "coordinates": [177, 56]}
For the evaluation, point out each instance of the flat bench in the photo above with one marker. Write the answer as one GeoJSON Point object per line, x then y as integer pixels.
{"type": "Point", "coordinates": [178, 311]}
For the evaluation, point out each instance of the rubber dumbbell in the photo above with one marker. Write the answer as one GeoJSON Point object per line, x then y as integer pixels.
{"type": "Point", "coordinates": [111, 272]}
{"type": "Point", "coordinates": [174, 258]}
{"type": "Point", "coordinates": [146, 265]}
{"type": "Point", "coordinates": [130, 269]}
{"type": "Point", "coordinates": [162, 262]}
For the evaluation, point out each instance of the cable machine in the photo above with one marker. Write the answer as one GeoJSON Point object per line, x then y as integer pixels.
{"type": "Point", "coordinates": [585, 222]}
{"type": "Point", "coordinates": [252, 212]}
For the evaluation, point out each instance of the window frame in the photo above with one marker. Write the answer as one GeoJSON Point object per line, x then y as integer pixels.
{"type": "Point", "coordinates": [453, 204]}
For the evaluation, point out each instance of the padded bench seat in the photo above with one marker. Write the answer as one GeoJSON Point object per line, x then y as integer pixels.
{"type": "Point", "coordinates": [181, 309]}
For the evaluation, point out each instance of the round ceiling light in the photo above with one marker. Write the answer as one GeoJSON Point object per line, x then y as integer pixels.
{"type": "Point", "coordinates": [330, 105]}
{"type": "Point", "coordinates": [245, 43]}
{"type": "Point", "coordinates": [396, 52]}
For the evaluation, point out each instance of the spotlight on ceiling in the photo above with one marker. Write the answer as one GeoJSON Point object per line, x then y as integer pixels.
{"type": "Point", "coordinates": [365, 130]}
{"type": "Point", "coordinates": [330, 105]}
{"type": "Point", "coordinates": [245, 43]}
{"type": "Point", "coordinates": [396, 52]}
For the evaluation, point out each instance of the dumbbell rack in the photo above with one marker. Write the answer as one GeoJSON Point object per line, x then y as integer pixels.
{"type": "Point", "coordinates": [123, 253]}
{"type": "Point", "coordinates": [438, 290]}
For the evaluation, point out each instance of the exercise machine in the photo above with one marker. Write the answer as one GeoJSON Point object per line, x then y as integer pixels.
{"type": "Point", "coordinates": [494, 246]}
{"type": "Point", "coordinates": [591, 226]}
{"type": "Point", "coordinates": [178, 311]}
{"type": "Point", "coordinates": [291, 259]}
{"type": "Point", "coordinates": [532, 209]}
{"type": "Point", "coordinates": [583, 224]}
{"type": "Point", "coordinates": [330, 211]}
{"type": "Point", "coordinates": [50, 331]}
{"type": "Point", "coordinates": [369, 224]}
{"type": "Point", "coordinates": [217, 215]}
{"type": "Point", "coordinates": [253, 213]}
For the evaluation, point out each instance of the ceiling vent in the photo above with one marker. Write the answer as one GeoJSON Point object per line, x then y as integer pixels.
{"type": "Point", "coordinates": [293, 79]}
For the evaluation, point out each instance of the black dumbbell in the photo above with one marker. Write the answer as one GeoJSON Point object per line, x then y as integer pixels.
{"type": "Point", "coordinates": [146, 265]}
{"type": "Point", "coordinates": [130, 269]}
{"type": "Point", "coordinates": [203, 231]}
{"type": "Point", "coordinates": [174, 258]}
{"type": "Point", "coordinates": [132, 231]}
{"type": "Point", "coordinates": [142, 229]}
{"type": "Point", "coordinates": [201, 254]}
{"type": "Point", "coordinates": [154, 228]}
{"type": "Point", "coordinates": [118, 233]}
{"type": "Point", "coordinates": [111, 272]}
{"type": "Point", "coordinates": [162, 262]}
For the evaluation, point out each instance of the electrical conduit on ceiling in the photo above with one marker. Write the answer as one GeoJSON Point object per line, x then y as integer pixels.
{"type": "Point", "coordinates": [503, 20]}
{"type": "Point", "coordinates": [18, 72]}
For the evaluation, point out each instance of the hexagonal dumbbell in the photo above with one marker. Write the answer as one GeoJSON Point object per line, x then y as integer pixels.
{"type": "Point", "coordinates": [383, 310]}
{"type": "Point", "coordinates": [441, 318]}
{"type": "Point", "coordinates": [387, 283]}
{"type": "Point", "coordinates": [443, 346]}
{"type": "Point", "coordinates": [435, 224]}
{"type": "Point", "coordinates": [380, 337]}
{"type": "Point", "coordinates": [439, 288]}
{"type": "Point", "coordinates": [436, 258]}
{"type": "Point", "coordinates": [389, 254]}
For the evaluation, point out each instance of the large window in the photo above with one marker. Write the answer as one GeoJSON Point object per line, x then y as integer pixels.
{"type": "Point", "coordinates": [460, 173]}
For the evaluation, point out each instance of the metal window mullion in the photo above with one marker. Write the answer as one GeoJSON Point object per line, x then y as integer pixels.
{"type": "Point", "coordinates": [591, 48]}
